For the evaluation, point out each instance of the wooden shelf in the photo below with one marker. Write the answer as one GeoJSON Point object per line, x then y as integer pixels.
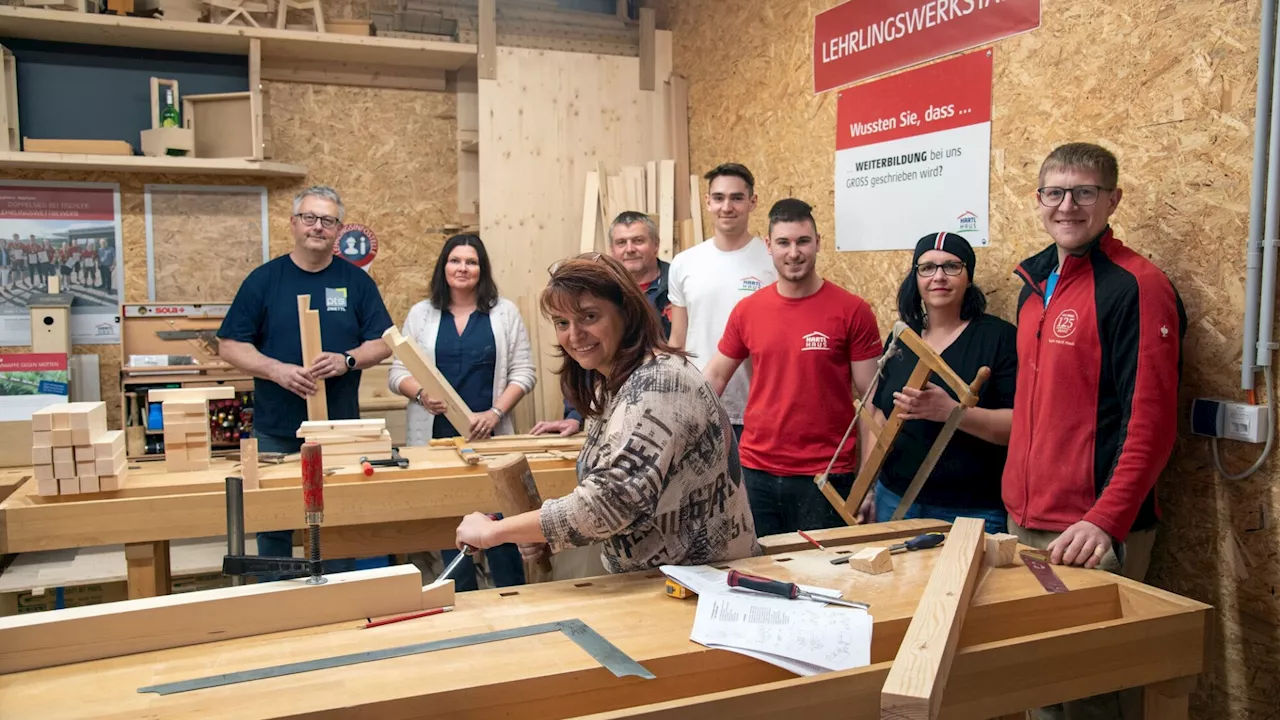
{"type": "Point", "coordinates": [140, 163]}
{"type": "Point", "coordinates": [279, 45]}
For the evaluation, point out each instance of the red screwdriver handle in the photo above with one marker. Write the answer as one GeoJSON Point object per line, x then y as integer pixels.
{"type": "Point", "coordinates": [312, 483]}
{"type": "Point", "coordinates": [764, 585]}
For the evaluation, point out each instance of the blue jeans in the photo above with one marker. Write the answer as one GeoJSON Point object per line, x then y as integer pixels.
{"type": "Point", "coordinates": [279, 543]}
{"type": "Point", "coordinates": [782, 504]}
{"type": "Point", "coordinates": [887, 501]}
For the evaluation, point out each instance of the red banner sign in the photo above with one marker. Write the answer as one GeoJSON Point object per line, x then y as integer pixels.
{"type": "Point", "coordinates": [29, 202]}
{"type": "Point", "coordinates": [865, 38]}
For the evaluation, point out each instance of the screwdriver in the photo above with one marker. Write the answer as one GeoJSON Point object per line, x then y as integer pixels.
{"type": "Point", "coordinates": [791, 591]}
{"type": "Point", "coordinates": [919, 542]}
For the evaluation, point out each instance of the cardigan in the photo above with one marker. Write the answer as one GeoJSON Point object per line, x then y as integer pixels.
{"type": "Point", "coordinates": [514, 362]}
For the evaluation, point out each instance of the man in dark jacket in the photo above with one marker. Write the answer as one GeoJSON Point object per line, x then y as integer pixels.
{"type": "Point", "coordinates": [1100, 333]}
{"type": "Point", "coordinates": [633, 241]}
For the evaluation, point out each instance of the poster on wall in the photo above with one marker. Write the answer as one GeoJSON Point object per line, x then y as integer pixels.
{"type": "Point", "coordinates": [913, 156]}
{"type": "Point", "coordinates": [859, 39]}
{"type": "Point", "coordinates": [66, 230]}
{"type": "Point", "coordinates": [30, 381]}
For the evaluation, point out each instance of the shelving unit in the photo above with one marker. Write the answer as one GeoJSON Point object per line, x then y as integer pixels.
{"type": "Point", "coordinates": [287, 46]}
{"type": "Point", "coordinates": [139, 163]}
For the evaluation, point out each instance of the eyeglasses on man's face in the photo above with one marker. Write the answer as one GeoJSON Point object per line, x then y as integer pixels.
{"type": "Point", "coordinates": [1082, 195]}
{"type": "Point", "coordinates": [928, 269]}
{"type": "Point", "coordinates": [328, 222]}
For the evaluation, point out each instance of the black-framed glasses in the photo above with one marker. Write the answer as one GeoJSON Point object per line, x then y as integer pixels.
{"type": "Point", "coordinates": [928, 269]}
{"type": "Point", "coordinates": [1082, 195]}
{"type": "Point", "coordinates": [328, 222]}
{"type": "Point", "coordinates": [590, 256]}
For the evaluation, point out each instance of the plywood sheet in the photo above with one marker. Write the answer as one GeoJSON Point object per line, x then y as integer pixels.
{"type": "Point", "coordinates": [204, 242]}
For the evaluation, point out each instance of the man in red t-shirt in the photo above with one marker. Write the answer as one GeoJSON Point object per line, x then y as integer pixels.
{"type": "Point", "coordinates": [813, 348]}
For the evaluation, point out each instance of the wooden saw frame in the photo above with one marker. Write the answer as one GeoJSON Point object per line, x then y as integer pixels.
{"type": "Point", "coordinates": [929, 363]}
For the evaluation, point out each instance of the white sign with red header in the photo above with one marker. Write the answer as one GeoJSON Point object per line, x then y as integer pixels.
{"type": "Point", "coordinates": [913, 156]}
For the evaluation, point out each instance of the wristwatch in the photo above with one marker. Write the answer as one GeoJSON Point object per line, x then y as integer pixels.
{"type": "Point", "coordinates": [351, 361]}
{"type": "Point", "coordinates": [417, 398]}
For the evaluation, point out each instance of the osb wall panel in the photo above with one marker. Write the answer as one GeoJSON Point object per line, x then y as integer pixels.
{"type": "Point", "coordinates": [390, 153]}
{"type": "Point", "coordinates": [219, 233]}
{"type": "Point", "coordinates": [1169, 87]}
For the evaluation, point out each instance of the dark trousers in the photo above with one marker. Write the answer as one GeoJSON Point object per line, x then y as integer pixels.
{"type": "Point", "coordinates": [786, 503]}
{"type": "Point", "coordinates": [279, 543]}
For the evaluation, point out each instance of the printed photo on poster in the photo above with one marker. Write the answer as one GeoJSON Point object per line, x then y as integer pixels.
{"type": "Point", "coordinates": [913, 156]}
{"type": "Point", "coordinates": [70, 231]}
{"type": "Point", "coordinates": [29, 382]}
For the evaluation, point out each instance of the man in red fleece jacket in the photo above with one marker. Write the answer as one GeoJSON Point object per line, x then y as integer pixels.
{"type": "Point", "coordinates": [1100, 333]}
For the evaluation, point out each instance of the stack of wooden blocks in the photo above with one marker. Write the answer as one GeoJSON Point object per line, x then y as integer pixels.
{"type": "Point", "coordinates": [186, 424]}
{"type": "Point", "coordinates": [72, 451]}
{"type": "Point", "coordinates": [344, 442]}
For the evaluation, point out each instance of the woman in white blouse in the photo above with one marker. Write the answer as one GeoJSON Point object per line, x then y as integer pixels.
{"type": "Point", "coordinates": [477, 340]}
{"type": "Point", "coordinates": [479, 343]}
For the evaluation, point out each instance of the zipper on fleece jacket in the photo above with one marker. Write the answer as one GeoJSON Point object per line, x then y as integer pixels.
{"type": "Point", "coordinates": [1035, 389]}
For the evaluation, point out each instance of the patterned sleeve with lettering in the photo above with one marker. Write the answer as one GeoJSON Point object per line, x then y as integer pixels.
{"type": "Point", "coordinates": [658, 477]}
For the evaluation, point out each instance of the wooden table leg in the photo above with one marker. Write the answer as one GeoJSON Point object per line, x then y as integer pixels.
{"type": "Point", "coordinates": [1168, 700]}
{"type": "Point", "coordinates": [148, 568]}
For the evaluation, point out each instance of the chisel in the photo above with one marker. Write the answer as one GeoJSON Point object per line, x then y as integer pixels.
{"type": "Point", "coordinates": [919, 542]}
{"type": "Point", "coordinates": [791, 591]}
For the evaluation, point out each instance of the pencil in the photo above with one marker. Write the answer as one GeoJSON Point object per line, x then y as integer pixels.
{"type": "Point", "coordinates": [410, 616]}
{"type": "Point", "coordinates": [817, 544]}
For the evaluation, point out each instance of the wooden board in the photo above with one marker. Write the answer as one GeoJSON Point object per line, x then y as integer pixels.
{"type": "Point", "coordinates": [415, 361]}
{"type": "Point", "coordinates": [59, 637]}
{"type": "Point", "coordinates": [914, 688]}
{"type": "Point", "coordinates": [695, 208]}
{"type": "Point", "coordinates": [666, 208]}
{"type": "Point", "coordinates": [188, 397]}
{"type": "Point", "coordinates": [309, 327]}
{"type": "Point", "coordinates": [678, 107]}
{"type": "Point", "coordinates": [590, 213]}
{"type": "Point", "coordinates": [648, 26]}
{"type": "Point", "coordinates": [487, 53]}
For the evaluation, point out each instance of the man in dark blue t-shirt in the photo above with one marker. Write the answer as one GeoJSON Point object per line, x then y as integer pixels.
{"type": "Point", "coordinates": [260, 333]}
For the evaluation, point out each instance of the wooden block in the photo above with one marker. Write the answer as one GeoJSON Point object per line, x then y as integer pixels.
{"type": "Point", "coordinates": [64, 470]}
{"type": "Point", "coordinates": [109, 465]}
{"type": "Point", "coordinates": [415, 361]}
{"type": "Point", "coordinates": [919, 673]}
{"type": "Point", "coordinates": [92, 632]}
{"type": "Point", "coordinates": [354, 429]}
{"type": "Point", "coordinates": [192, 396]}
{"type": "Point", "coordinates": [872, 560]}
{"type": "Point", "coordinates": [109, 444]}
{"type": "Point", "coordinates": [62, 437]}
{"type": "Point", "coordinates": [41, 455]}
{"type": "Point", "coordinates": [1000, 550]}
{"type": "Point", "coordinates": [64, 454]}
{"type": "Point", "coordinates": [109, 483]}
{"type": "Point", "coordinates": [84, 453]}
{"type": "Point", "coordinates": [249, 463]}
{"type": "Point", "coordinates": [61, 421]}
{"type": "Point", "coordinates": [84, 469]}
{"type": "Point", "coordinates": [309, 329]}
{"type": "Point", "coordinates": [89, 484]}
{"type": "Point", "coordinates": [46, 486]}
{"type": "Point", "coordinates": [68, 486]}
{"type": "Point", "coordinates": [42, 438]}
{"type": "Point", "coordinates": [42, 419]}
{"type": "Point", "coordinates": [87, 416]}
{"type": "Point", "coordinates": [43, 472]}
{"type": "Point", "coordinates": [81, 437]}
{"type": "Point", "coordinates": [77, 147]}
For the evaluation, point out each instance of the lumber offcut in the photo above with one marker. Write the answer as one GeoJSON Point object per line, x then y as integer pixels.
{"type": "Point", "coordinates": [437, 388]}
{"type": "Point", "coordinates": [913, 690]}
{"type": "Point", "coordinates": [92, 632]}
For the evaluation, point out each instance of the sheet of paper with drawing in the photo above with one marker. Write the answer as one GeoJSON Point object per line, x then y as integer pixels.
{"type": "Point", "coordinates": [802, 636]}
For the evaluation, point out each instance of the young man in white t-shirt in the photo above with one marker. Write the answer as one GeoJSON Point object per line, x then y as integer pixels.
{"type": "Point", "coordinates": [707, 280]}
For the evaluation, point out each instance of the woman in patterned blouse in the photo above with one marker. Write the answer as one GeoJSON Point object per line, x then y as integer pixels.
{"type": "Point", "coordinates": [658, 476]}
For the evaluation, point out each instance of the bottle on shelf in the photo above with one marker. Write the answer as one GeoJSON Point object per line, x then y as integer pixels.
{"type": "Point", "coordinates": [169, 113]}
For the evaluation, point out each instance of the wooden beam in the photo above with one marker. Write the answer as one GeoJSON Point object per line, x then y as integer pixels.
{"type": "Point", "coordinates": [914, 688]}
{"type": "Point", "coordinates": [1168, 700]}
{"type": "Point", "coordinates": [309, 327]}
{"type": "Point", "coordinates": [1001, 550]}
{"type": "Point", "coordinates": [256, 104]}
{"type": "Point", "coordinates": [590, 212]}
{"type": "Point", "coordinates": [666, 208]}
{"type": "Point", "coordinates": [517, 493]}
{"type": "Point", "coordinates": [695, 208]}
{"type": "Point", "coordinates": [148, 568]}
{"type": "Point", "coordinates": [92, 632]}
{"type": "Point", "coordinates": [852, 535]}
{"type": "Point", "coordinates": [415, 361]}
{"type": "Point", "coordinates": [487, 59]}
{"type": "Point", "coordinates": [648, 50]}
{"type": "Point", "coordinates": [191, 395]}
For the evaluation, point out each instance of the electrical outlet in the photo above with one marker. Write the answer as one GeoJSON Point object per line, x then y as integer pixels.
{"type": "Point", "coordinates": [1229, 420]}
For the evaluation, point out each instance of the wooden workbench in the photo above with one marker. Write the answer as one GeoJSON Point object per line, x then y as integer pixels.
{"type": "Point", "coordinates": [1020, 647]}
{"type": "Point", "coordinates": [395, 511]}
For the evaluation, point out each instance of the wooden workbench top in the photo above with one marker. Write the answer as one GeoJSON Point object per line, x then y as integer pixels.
{"type": "Point", "coordinates": [1132, 634]}
{"type": "Point", "coordinates": [155, 505]}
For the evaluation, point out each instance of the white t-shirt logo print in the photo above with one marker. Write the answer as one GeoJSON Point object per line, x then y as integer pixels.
{"type": "Point", "coordinates": [815, 341]}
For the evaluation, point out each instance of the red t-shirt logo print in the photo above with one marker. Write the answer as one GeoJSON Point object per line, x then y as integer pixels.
{"type": "Point", "coordinates": [1065, 324]}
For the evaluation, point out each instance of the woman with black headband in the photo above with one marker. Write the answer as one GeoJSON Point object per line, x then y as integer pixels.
{"type": "Point", "coordinates": [939, 301]}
